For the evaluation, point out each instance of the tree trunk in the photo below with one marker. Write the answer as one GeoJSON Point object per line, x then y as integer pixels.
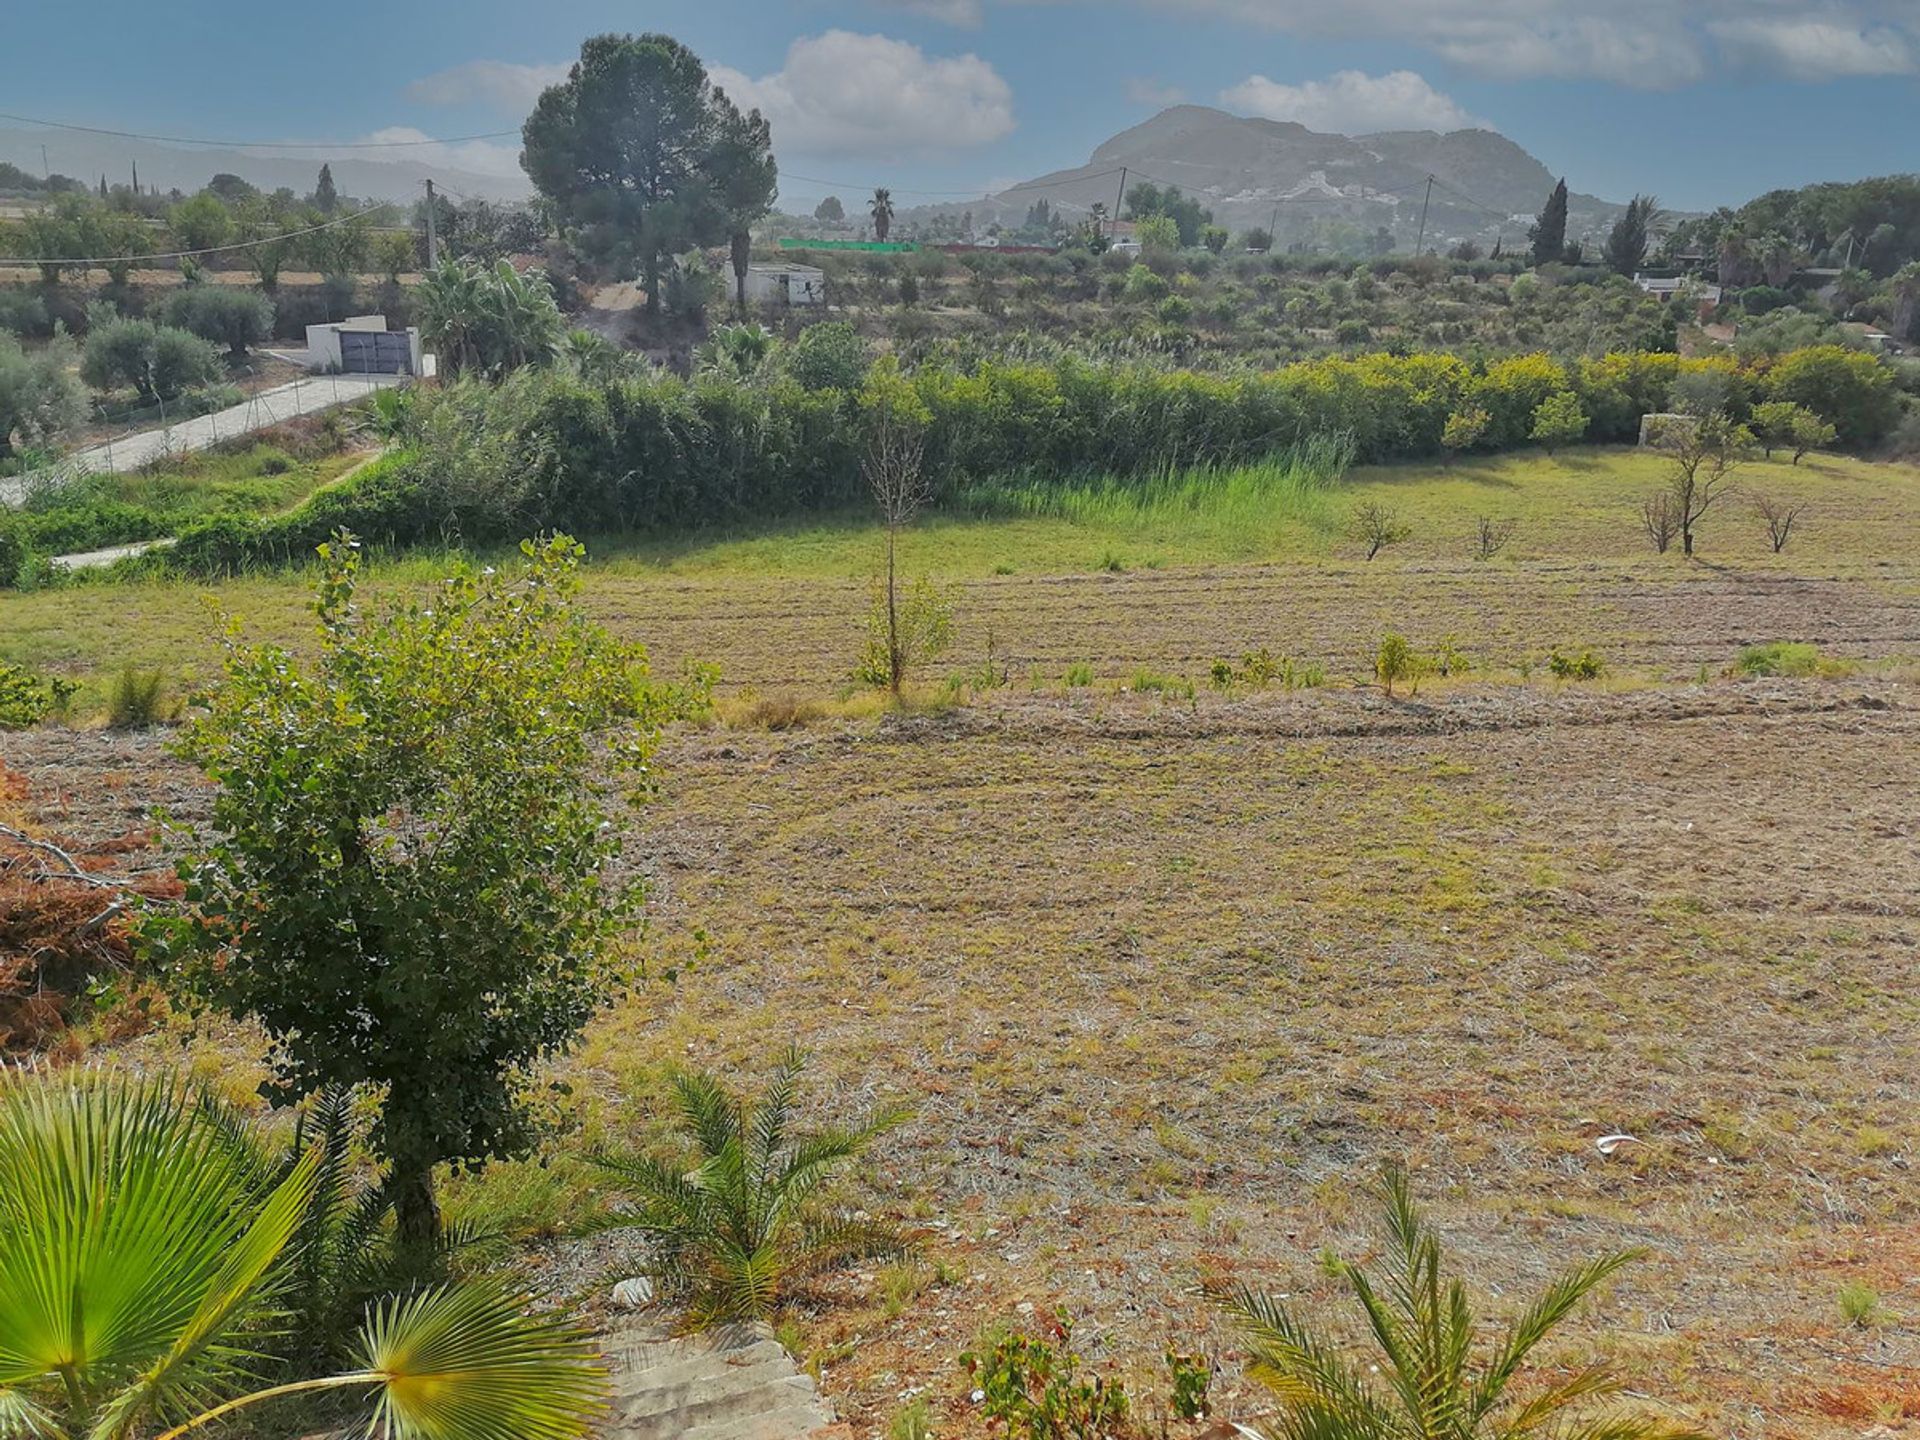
{"type": "Point", "coordinates": [653, 283]}
{"type": "Point", "coordinates": [894, 658]}
{"type": "Point", "coordinates": [416, 1212]}
{"type": "Point", "coordinates": [742, 255]}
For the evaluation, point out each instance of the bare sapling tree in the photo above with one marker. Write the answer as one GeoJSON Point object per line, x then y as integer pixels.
{"type": "Point", "coordinates": [1780, 517]}
{"type": "Point", "coordinates": [1657, 515]}
{"type": "Point", "coordinates": [1703, 455]}
{"type": "Point", "coordinates": [896, 476]}
{"type": "Point", "coordinates": [1492, 536]}
{"type": "Point", "coordinates": [1377, 526]}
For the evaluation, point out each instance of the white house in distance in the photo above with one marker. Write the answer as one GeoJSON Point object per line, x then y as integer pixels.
{"type": "Point", "coordinates": [362, 345]}
{"type": "Point", "coordinates": [783, 284]}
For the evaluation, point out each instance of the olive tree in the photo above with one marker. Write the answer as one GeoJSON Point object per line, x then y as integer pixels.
{"type": "Point", "coordinates": [412, 885]}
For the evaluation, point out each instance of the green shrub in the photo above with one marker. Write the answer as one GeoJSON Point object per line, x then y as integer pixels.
{"type": "Point", "coordinates": [27, 699]}
{"type": "Point", "coordinates": [40, 401]}
{"type": "Point", "coordinates": [139, 699]}
{"type": "Point", "coordinates": [1192, 1378]}
{"type": "Point", "coordinates": [1850, 390]}
{"type": "Point", "coordinates": [1079, 675]}
{"type": "Point", "coordinates": [159, 362]}
{"type": "Point", "coordinates": [23, 313]}
{"type": "Point", "coordinates": [1396, 662]}
{"type": "Point", "coordinates": [1783, 658]}
{"type": "Point", "coordinates": [1582, 666]}
{"type": "Point", "coordinates": [1039, 1391]}
{"type": "Point", "coordinates": [828, 357]}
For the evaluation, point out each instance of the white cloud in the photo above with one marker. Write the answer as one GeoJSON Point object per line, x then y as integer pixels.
{"type": "Point", "coordinates": [1351, 103]}
{"type": "Point", "coordinates": [964, 13]}
{"type": "Point", "coordinates": [478, 157]}
{"type": "Point", "coordinates": [1815, 49]}
{"type": "Point", "coordinates": [1143, 91]}
{"type": "Point", "coordinates": [498, 83]}
{"type": "Point", "coordinates": [846, 94]}
{"type": "Point", "coordinates": [1644, 43]}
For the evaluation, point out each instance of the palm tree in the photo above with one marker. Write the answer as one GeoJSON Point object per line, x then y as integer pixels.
{"type": "Point", "coordinates": [736, 351]}
{"type": "Point", "coordinates": [881, 209]}
{"type": "Point", "coordinates": [143, 1258]}
{"type": "Point", "coordinates": [1428, 1387]}
{"type": "Point", "coordinates": [450, 312]}
{"type": "Point", "coordinates": [736, 1223]}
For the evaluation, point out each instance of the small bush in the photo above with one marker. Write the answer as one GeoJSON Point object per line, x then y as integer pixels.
{"type": "Point", "coordinates": [1079, 675]}
{"type": "Point", "coordinates": [1859, 1304]}
{"type": "Point", "coordinates": [1781, 658]}
{"type": "Point", "coordinates": [27, 699]}
{"type": "Point", "coordinates": [139, 699]}
{"type": "Point", "coordinates": [828, 357]}
{"type": "Point", "coordinates": [1192, 1378]}
{"type": "Point", "coordinates": [1039, 1391]}
{"type": "Point", "coordinates": [1397, 662]}
{"type": "Point", "coordinates": [1584, 666]}
{"type": "Point", "coordinates": [1152, 682]}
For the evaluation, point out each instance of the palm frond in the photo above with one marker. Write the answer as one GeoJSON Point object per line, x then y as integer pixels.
{"type": "Point", "coordinates": [1593, 1383]}
{"type": "Point", "coordinates": [1293, 1362]}
{"type": "Point", "coordinates": [1633, 1427]}
{"type": "Point", "coordinates": [178, 1377]}
{"type": "Point", "coordinates": [1537, 1321]}
{"type": "Point", "coordinates": [469, 1363]}
{"type": "Point", "coordinates": [21, 1419]}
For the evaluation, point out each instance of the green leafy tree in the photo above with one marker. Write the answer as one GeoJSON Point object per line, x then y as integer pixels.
{"type": "Point", "coordinates": [1849, 389]}
{"type": "Point", "coordinates": [142, 1258]}
{"type": "Point", "coordinates": [1158, 234]}
{"type": "Point", "coordinates": [1465, 429]}
{"type": "Point", "coordinates": [340, 250]}
{"type": "Point", "coordinates": [221, 314]}
{"type": "Point", "coordinates": [1423, 1380]}
{"type": "Point", "coordinates": [1558, 421]}
{"type": "Point", "coordinates": [262, 227]}
{"type": "Point", "coordinates": [736, 1216]}
{"type": "Point", "coordinates": [1258, 239]}
{"type": "Point", "coordinates": [881, 209]}
{"type": "Point", "coordinates": [1783, 425]}
{"type": "Point", "coordinates": [200, 223]}
{"type": "Point", "coordinates": [159, 362]}
{"type": "Point", "coordinates": [828, 357]}
{"type": "Point", "coordinates": [411, 888]}
{"type": "Point", "coordinates": [1703, 455]}
{"type": "Point", "coordinates": [634, 150]}
{"type": "Point", "coordinates": [1189, 217]}
{"type": "Point", "coordinates": [1548, 235]}
{"type": "Point", "coordinates": [40, 398]}
{"type": "Point", "coordinates": [830, 210]}
{"type": "Point", "coordinates": [394, 252]}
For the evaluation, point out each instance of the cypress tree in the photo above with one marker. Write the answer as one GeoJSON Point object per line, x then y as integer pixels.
{"type": "Point", "coordinates": [1549, 232]}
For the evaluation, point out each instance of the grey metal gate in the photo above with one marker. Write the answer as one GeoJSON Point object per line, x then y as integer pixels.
{"type": "Point", "coordinates": [374, 352]}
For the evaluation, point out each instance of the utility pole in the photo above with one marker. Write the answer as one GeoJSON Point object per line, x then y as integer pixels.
{"type": "Point", "coordinates": [1420, 245]}
{"type": "Point", "coordinates": [46, 170]}
{"type": "Point", "coordinates": [1118, 201]}
{"type": "Point", "coordinates": [433, 235]}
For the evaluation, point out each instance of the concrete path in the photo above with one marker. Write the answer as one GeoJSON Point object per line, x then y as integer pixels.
{"type": "Point", "coordinates": [734, 1383]}
{"type": "Point", "coordinates": [100, 559]}
{"type": "Point", "coordinates": [307, 396]}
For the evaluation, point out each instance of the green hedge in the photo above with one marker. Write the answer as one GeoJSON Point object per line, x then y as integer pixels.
{"type": "Point", "coordinates": [544, 450]}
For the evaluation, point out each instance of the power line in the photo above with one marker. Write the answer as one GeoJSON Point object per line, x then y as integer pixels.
{"type": "Point", "coordinates": [259, 144]}
{"type": "Point", "coordinates": [77, 261]}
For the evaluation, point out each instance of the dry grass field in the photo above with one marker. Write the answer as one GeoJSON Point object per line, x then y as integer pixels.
{"type": "Point", "coordinates": [1166, 978]}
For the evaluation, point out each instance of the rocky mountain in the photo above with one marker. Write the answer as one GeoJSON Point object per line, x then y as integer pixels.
{"type": "Point", "coordinates": [88, 157]}
{"type": "Point", "coordinates": [1307, 185]}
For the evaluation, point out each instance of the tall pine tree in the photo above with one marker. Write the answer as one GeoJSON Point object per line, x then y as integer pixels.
{"type": "Point", "coordinates": [1549, 232]}
{"type": "Point", "coordinates": [325, 197]}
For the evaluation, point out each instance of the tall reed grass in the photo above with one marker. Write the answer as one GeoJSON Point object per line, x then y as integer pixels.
{"type": "Point", "coordinates": [1295, 488]}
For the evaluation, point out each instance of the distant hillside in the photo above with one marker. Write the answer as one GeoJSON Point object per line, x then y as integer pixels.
{"type": "Point", "coordinates": [88, 157]}
{"type": "Point", "coordinates": [1249, 171]}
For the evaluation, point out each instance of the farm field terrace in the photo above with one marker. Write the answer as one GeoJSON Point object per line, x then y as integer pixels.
{"type": "Point", "coordinates": [1165, 979]}
{"type": "Point", "coordinates": [1173, 587]}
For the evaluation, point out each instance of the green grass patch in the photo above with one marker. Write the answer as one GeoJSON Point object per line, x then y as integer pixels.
{"type": "Point", "coordinates": [1788, 659]}
{"type": "Point", "coordinates": [101, 510]}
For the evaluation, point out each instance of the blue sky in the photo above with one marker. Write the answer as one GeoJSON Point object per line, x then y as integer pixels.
{"type": "Point", "coordinates": [1700, 101]}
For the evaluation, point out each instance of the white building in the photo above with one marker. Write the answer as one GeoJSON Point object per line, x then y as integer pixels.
{"type": "Point", "coordinates": [786, 285]}
{"type": "Point", "coordinates": [362, 345]}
